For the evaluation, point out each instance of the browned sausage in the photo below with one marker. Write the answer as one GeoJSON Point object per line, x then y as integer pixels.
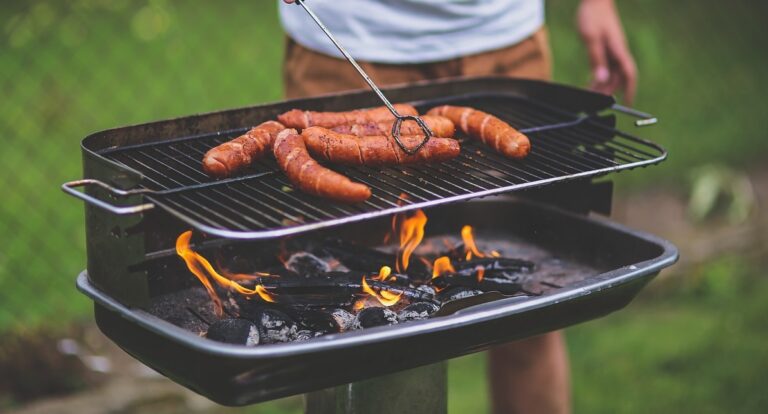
{"type": "Point", "coordinates": [299, 119]}
{"type": "Point", "coordinates": [376, 150]}
{"type": "Point", "coordinates": [494, 132]}
{"type": "Point", "coordinates": [311, 177]}
{"type": "Point", "coordinates": [440, 126]}
{"type": "Point", "coordinates": [230, 157]}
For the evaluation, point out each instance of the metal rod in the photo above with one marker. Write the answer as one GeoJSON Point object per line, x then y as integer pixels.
{"type": "Point", "coordinates": [398, 117]}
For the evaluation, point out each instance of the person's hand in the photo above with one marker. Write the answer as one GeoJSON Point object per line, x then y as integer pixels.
{"type": "Point", "coordinates": [290, 1]}
{"type": "Point", "coordinates": [613, 67]}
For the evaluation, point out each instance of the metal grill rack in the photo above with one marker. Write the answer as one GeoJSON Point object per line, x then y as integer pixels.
{"type": "Point", "coordinates": [261, 203]}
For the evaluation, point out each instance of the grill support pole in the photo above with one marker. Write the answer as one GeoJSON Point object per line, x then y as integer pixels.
{"type": "Point", "coordinates": [421, 390]}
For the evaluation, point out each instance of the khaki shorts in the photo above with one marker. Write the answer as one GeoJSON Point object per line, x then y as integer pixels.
{"type": "Point", "coordinates": [308, 73]}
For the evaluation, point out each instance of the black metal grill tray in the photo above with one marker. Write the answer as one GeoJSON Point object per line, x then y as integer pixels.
{"type": "Point", "coordinates": [237, 375]}
{"type": "Point", "coordinates": [568, 142]}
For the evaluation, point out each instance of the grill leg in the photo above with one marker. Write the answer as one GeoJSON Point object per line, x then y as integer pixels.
{"type": "Point", "coordinates": [421, 390]}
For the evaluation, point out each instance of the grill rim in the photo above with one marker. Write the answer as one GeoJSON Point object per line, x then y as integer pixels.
{"type": "Point", "coordinates": [600, 283]}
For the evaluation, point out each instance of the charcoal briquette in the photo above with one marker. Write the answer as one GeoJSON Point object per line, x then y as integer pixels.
{"type": "Point", "coordinates": [234, 331]}
{"type": "Point", "coordinates": [458, 292]}
{"type": "Point", "coordinates": [417, 311]}
{"type": "Point", "coordinates": [370, 317]}
{"type": "Point", "coordinates": [307, 264]}
{"type": "Point", "coordinates": [345, 320]}
{"type": "Point", "coordinates": [275, 326]}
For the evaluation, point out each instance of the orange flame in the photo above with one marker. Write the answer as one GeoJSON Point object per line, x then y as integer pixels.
{"type": "Point", "coordinates": [442, 265]}
{"type": "Point", "coordinates": [190, 258]}
{"type": "Point", "coordinates": [395, 219]}
{"type": "Point", "coordinates": [384, 273]}
{"type": "Point", "coordinates": [384, 297]}
{"type": "Point", "coordinates": [411, 234]}
{"type": "Point", "coordinates": [480, 273]}
{"type": "Point", "coordinates": [196, 263]}
{"type": "Point", "coordinates": [469, 243]}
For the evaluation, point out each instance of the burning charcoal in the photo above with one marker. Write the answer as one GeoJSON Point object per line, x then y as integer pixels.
{"type": "Point", "coordinates": [429, 290]}
{"type": "Point", "coordinates": [307, 264]}
{"type": "Point", "coordinates": [275, 326]}
{"type": "Point", "coordinates": [344, 319]}
{"type": "Point", "coordinates": [487, 274]}
{"type": "Point", "coordinates": [458, 292]}
{"type": "Point", "coordinates": [371, 317]}
{"type": "Point", "coordinates": [417, 311]}
{"type": "Point", "coordinates": [234, 331]}
{"type": "Point", "coordinates": [304, 335]}
{"type": "Point", "coordinates": [319, 321]}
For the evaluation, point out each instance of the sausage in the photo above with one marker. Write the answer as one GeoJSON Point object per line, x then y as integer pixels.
{"type": "Point", "coordinates": [376, 150]}
{"type": "Point", "coordinates": [237, 154]}
{"type": "Point", "coordinates": [489, 129]}
{"type": "Point", "coordinates": [305, 173]}
{"type": "Point", "coordinates": [440, 126]}
{"type": "Point", "coordinates": [299, 119]}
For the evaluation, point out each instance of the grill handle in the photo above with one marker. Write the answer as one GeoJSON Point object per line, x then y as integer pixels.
{"type": "Point", "coordinates": [69, 188]}
{"type": "Point", "coordinates": [645, 118]}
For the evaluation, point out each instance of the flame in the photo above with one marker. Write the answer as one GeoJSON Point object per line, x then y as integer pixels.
{"type": "Point", "coordinates": [411, 234]}
{"type": "Point", "coordinates": [469, 243]}
{"type": "Point", "coordinates": [190, 258]}
{"type": "Point", "coordinates": [495, 253]}
{"type": "Point", "coordinates": [384, 273]}
{"type": "Point", "coordinates": [400, 202]}
{"type": "Point", "coordinates": [384, 297]}
{"type": "Point", "coordinates": [442, 265]}
{"type": "Point", "coordinates": [480, 273]}
{"type": "Point", "coordinates": [199, 265]}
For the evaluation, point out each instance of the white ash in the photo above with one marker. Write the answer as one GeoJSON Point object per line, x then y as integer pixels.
{"type": "Point", "coordinates": [253, 336]}
{"type": "Point", "coordinates": [304, 335]}
{"type": "Point", "coordinates": [275, 329]}
{"type": "Point", "coordinates": [307, 264]}
{"type": "Point", "coordinates": [370, 317]}
{"type": "Point", "coordinates": [426, 289]}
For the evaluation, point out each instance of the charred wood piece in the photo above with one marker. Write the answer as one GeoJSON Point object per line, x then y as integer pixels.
{"type": "Point", "coordinates": [456, 293]}
{"type": "Point", "coordinates": [369, 260]}
{"type": "Point", "coordinates": [487, 274]}
{"type": "Point", "coordinates": [344, 319]}
{"type": "Point", "coordinates": [275, 327]}
{"type": "Point", "coordinates": [234, 331]}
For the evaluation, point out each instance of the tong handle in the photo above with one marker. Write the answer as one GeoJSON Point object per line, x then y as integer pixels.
{"type": "Point", "coordinates": [69, 188]}
{"type": "Point", "coordinates": [645, 118]}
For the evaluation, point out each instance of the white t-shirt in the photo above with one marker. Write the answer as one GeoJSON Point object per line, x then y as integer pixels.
{"type": "Point", "coordinates": [413, 31]}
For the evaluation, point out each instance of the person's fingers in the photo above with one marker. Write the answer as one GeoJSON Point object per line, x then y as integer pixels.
{"type": "Point", "coordinates": [289, 1]}
{"type": "Point", "coordinates": [598, 60]}
{"type": "Point", "coordinates": [625, 65]}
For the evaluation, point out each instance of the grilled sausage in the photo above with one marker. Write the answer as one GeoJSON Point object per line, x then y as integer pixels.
{"type": "Point", "coordinates": [311, 177]}
{"type": "Point", "coordinates": [375, 150]}
{"type": "Point", "coordinates": [489, 129]}
{"type": "Point", "coordinates": [299, 119]}
{"type": "Point", "coordinates": [230, 157]}
{"type": "Point", "coordinates": [440, 126]}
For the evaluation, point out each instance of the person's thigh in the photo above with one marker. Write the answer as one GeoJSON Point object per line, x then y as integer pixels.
{"type": "Point", "coordinates": [531, 58]}
{"type": "Point", "coordinates": [308, 73]}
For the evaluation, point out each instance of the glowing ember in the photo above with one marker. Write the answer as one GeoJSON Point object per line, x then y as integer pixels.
{"type": "Point", "coordinates": [442, 265]}
{"type": "Point", "coordinates": [480, 273]}
{"type": "Point", "coordinates": [411, 234]}
{"type": "Point", "coordinates": [384, 297]}
{"type": "Point", "coordinates": [469, 243]}
{"type": "Point", "coordinates": [495, 253]}
{"type": "Point", "coordinates": [199, 265]}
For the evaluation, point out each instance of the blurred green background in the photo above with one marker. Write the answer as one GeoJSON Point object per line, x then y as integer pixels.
{"type": "Point", "coordinates": [694, 342]}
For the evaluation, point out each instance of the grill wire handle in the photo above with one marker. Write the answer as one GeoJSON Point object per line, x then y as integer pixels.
{"type": "Point", "coordinates": [398, 118]}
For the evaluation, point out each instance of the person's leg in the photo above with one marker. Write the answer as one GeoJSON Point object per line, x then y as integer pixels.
{"type": "Point", "coordinates": [531, 375]}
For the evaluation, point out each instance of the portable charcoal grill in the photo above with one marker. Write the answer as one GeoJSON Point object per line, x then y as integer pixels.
{"type": "Point", "coordinates": [144, 186]}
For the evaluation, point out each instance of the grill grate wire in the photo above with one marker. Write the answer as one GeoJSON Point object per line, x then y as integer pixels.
{"type": "Point", "coordinates": [262, 203]}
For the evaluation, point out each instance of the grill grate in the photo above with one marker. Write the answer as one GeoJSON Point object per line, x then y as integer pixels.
{"type": "Point", "coordinates": [262, 203]}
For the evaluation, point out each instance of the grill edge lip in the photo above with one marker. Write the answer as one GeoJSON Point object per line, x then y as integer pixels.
{"type": "Point", "coordinates": [468, 316]}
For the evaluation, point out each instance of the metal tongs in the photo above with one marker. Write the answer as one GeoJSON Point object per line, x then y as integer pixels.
{"type": "Point", "coordinates": [398, 118]}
